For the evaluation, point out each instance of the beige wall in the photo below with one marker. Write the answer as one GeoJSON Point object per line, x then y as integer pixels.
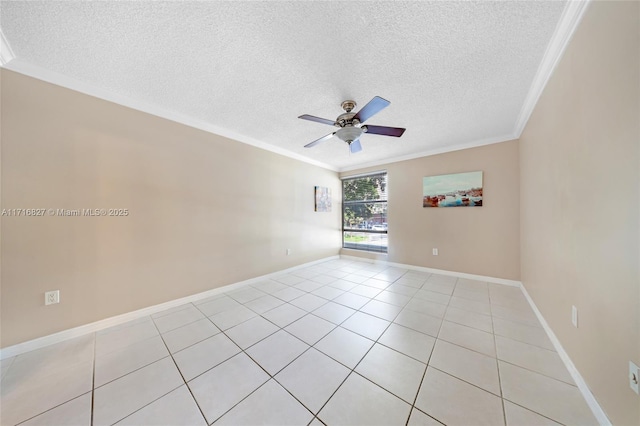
{"type": "Point", "coordinates": [205, 211]}
{"type": "Point", "coordinates": [476, 240]}
{"type": "Point", "coordinates": [579, 203]}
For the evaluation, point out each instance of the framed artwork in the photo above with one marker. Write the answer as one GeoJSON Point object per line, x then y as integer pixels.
{"type": "Point", "coordinates": [323, 199]}
{"type": "Point", "coordinates": [455, 190]}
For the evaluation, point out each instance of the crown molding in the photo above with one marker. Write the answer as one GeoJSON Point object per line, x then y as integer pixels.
{"type": "Point", "coordinates": [6, 54]}
{"type": "Point", "coordinates": [436, 151]}
{"type": "Point", "coordinates": [58, 79]}
{"type": "Point", "coordinates": [569, 20]}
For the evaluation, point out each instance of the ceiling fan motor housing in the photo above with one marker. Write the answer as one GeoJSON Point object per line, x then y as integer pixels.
{"type": "Point", "coordinates": [347, 119]}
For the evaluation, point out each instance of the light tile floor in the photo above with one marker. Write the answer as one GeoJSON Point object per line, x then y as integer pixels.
{"type": "Point", "coordinates": [339, 343]}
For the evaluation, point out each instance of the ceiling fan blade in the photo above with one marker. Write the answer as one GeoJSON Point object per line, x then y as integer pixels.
{"type": "Point", "coordinates": [386, 131]}
{"type": "Point", "coordinates": [317, 119]}
{"type": "Point", "coordinates": [355, 146]}
{"type": "Point", "coordinates": [322, 139]}
{"type": "Point", "coordinates": [374, 106]}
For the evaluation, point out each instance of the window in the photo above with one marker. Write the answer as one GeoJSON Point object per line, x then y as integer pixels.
{"type": "Point", "coordinates": [364, 212]}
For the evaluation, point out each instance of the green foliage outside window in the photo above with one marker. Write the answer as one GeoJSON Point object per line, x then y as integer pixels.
{"type": "Point", "coordinates": [361, 199]}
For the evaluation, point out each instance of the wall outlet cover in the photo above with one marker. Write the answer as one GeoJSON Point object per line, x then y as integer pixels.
{"type": "Point", "coordinates": [435, 251]}
{"type": "Point", "coordinates": [52, 297]}
{"type": "Point", "coordinates": [574, 316]}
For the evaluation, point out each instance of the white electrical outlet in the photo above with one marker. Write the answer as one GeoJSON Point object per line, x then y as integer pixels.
{"type": "Point", "coordinates": [574, 316]}
{"type": "Point", "coordinates": [634, 377]}
{"type": "Point", "coordinates": [288, 252]}
{"type": "Point", "coordinates": [435, 251]}
{"type": "Point", "coordinates": [51, 297]}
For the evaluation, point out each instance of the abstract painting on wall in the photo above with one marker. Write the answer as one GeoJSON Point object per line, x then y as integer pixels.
{"type": "Point", "coordinates": [323, 199]}
{"type": "Point", "coordinates": [456, 190]}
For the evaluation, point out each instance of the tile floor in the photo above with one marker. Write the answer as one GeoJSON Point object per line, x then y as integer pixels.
{"type": "Point", "coordinates": [339, 343]}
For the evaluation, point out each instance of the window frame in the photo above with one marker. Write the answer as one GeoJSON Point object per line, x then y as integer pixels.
{"type": "Point", "coordinates": [366, 247]}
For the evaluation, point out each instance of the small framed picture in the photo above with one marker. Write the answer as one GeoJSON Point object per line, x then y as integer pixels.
{"type": "Point", "coordinates": [323, 199]}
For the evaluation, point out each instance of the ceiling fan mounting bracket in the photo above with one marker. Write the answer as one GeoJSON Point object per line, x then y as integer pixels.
{"type": "Point", "coordinates": [348, 105]}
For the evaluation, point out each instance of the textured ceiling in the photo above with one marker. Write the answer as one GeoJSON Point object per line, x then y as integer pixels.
{"type": "Point", "coordinates": [455, 72]}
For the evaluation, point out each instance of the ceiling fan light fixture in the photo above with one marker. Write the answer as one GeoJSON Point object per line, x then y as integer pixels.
{"type": "Point", "coordinates": [349, 134]}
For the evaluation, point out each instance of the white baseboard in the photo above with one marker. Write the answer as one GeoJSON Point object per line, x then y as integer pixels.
{"type": "Point", "coordinates": [71, 333]}
{"type": "Point", "coordinates": [598, 412]}
{"type": "Point", "coordinates": [494, 280]}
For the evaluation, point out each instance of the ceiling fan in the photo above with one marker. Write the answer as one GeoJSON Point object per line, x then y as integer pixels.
{"type": "Point", "coordinates": [351, 124]}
